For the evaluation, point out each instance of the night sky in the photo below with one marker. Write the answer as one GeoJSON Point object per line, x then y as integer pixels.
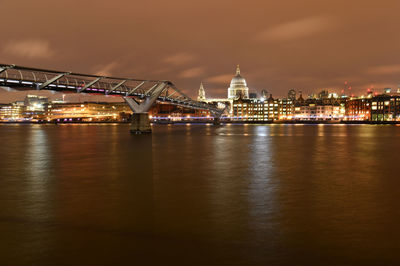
{"type": "Point", "coordinates": [308, 44]}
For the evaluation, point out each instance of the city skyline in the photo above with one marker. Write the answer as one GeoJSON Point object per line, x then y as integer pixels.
{"type": "Point", "coordinates": [8, 94]}
{"type": "Point", "coordinates": [199, 132]}
{"type": "Point", "coordinates": [309, 46]}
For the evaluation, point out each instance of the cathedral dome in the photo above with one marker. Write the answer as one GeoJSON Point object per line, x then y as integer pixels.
{"type": "Point", "coordinates": [238, 86]}
{"type": "Point", "coordinates": [238, 81]}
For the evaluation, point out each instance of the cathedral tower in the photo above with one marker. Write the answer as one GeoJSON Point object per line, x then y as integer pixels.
{"type": "Point", "coordinates": [202, 94]}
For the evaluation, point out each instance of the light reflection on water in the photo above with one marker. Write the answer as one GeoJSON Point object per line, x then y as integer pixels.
{"type": "Point", "coordinates": [241, 194]}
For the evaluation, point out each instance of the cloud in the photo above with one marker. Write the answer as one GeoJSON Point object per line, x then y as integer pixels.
{"type": "Point", "coordinates": [225, 78]}
{"type": "Point", "coordinates": [303, 79]}
{"type": "Point", "coordinates": [296, 29]}
{"type": "Point", "coordinates": [384, 70]}
{"type": "Point", "coordinates": [179, 58]}
{"type": "Point", "coordinates": [31, 48]}
{"type": "Point", "coordinates": [161, 70]}
{"type": "Point", "coordinates": [106, 70]}
{"type": "Point", "coordinates": [192, 72]}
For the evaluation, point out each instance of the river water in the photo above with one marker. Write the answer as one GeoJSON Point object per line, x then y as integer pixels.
{"type": "Point", "coordinates": [200, 195]}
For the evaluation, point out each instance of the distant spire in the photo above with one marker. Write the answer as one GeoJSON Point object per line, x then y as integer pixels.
{"type": "Point", "coordinates": [202, 93]}
{"type": "Point", "coordinates": [237, 70]}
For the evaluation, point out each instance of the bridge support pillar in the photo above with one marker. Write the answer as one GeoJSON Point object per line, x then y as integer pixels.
{"type": "Point", "coordinates": [217, 121]}
{"type": "Point", "coordinates": [217, 116]}
{"type": "Point", "coordinates": [140, 118]}
{"type": "Point", "coordinates": [140, 124]}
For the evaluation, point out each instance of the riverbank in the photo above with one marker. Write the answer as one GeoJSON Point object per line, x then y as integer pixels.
{"type": "Point", "coordinates": [211, 122]}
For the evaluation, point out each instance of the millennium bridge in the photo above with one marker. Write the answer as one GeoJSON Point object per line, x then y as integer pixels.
{"type": "Point", "coordinates": [139, 94]}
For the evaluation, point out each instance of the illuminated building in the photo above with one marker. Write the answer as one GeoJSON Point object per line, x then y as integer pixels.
{"type": "Point", "coordinates": [286, 109]}
{"type": "Point", "coordinates": [358, 109]}
{"type": "Point", "coordinates": [255, 110]}
{"type": "Point", "coordinates": [313, 112]}
{"type": "Point", "coordinates": [202, 94]}
{"type": "Point", "coordinates": [35, 106]}
{"type": "Point", "coordinates": [249, 110]}
{"type": "Point", "coordinates": [87, 111]}
{"type": "Point", "coordinates": [238, 87]}
{"type": "Point", "coordinates": [385, 108]}
{"type": "Point", "coordinates": [314, 109]}
{"type": "Point", "coordinates": [264, 94]}
{"type": "Point", "coordinates": [321, 106]}
{"type": "Point", "coordinates": [273, 108]}
{"type": "Point", "coordinates": [34, 101]}
{"type": "Point", "coordinates": [12, 112]}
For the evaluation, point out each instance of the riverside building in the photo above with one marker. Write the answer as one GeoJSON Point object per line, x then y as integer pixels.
{"type": "Point", "coordinates": [385, 108]}
{"type": "Point", "coordinates": [324, 107]}
{"type": "Point", "coordinates": [255, 109]}
{"type": "Point", "coordinates": [12, 112]}
{"type": "Point", "coordinates": [87, 112]}
{"type": "Point", "coordinates": [358, 109]}
{"type": "Point", "coordinates": [379, 108]}
{"type": "Point", "coordinates": [285, 109]}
